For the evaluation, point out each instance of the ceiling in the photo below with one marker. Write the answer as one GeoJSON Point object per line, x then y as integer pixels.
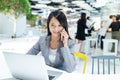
{"type": "Point", "coordinates": [84, 4]}
{"type": "Point", "coordinates": [93, 6]}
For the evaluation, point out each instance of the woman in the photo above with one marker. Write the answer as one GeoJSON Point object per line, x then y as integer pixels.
{"type": "Point", "coordinates": [81, 25]}
{"type": "Point", "coordinates": [115, 28]}
{"type": "Point", "coordinates": [57, 47]}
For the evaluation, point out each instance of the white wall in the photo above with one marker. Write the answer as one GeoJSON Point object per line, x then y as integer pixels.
{"type": "Point", "coordinates": [6, 26]}
{"type": "Point", "coordinates": [0, 23]}
{"type": "Point", "coordinates": [21, 25]}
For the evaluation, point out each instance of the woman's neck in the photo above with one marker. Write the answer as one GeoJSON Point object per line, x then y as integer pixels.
{"type": "Point", "coordinates": [54, 42]}
{"type": "Point", "coordinates": [55, 39]}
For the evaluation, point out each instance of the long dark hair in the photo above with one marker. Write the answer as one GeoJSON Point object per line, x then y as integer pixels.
{"type": "Point", "coordinates": [60, 16]}
{"type": "Point", "coordinates": [83, 16]}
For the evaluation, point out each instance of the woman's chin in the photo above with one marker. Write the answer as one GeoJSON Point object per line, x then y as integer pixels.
{"type": "Point", "coordinates": [56, 35]}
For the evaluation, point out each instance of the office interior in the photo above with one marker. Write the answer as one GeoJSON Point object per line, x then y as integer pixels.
{"type": "Point", "coordinates": [29, 31]}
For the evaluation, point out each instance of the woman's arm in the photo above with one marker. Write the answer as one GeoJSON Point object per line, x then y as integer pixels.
{"type": "Point", "coordinates": [69, 59]}
{"type": "Point", "coordinates": [35, 49]}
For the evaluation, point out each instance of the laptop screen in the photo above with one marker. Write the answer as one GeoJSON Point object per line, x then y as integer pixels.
{"type": "Point", "coordinates": [26, 67]}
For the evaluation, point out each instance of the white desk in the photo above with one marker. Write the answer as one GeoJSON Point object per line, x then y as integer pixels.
{"type": "Point", "coordinates": [16, 45]}
{"type": "Point", "coordinates": [92, 39]}
{"type": "Point", "coordinates": [76, 76]}
{"type": "Point", "coordinates": [87, 41]}
{"type": "Point", "coordinates": [106, 43]}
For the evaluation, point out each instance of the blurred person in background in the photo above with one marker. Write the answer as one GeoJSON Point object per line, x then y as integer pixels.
{"type": "Point", "coordinates": [80, 35]}
{"type": "Point", "coordinates": [115, 30]}
{"type": "Point", "coordinates": [112, 18]}
{"type": "Point", "coordinates": [90, 26]}
{"type": "Point", "coordinates": [105, 26]}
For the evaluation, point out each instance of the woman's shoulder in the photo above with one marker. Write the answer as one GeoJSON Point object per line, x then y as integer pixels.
{"type": "Point", "coordinates": [43, 38]}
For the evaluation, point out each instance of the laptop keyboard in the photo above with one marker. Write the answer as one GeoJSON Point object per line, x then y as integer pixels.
{"type": "Point", "coordinates": [51, 77]}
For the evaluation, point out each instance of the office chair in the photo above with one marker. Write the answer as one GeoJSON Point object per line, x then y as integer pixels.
{"type": "Point", "coordinates": [82, 56]}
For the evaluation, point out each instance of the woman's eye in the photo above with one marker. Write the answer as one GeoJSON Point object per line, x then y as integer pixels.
{"type": "Point", "coordinates": [59, 26]}
{"type": "Point", "coordinates": [52, 26]}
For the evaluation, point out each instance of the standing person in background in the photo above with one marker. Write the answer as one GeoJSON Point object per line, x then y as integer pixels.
{"type": "Point", "coordinates": [81, 25]}
{"type": "Point", "coordinates": [90, 24]}
{"type": "Point", "coordinates": [115, 27]}
{"type": "Point", "coordinates": [102, 32]}
{"type": "Point", "coordinates": [105, 26]}
{"type": "Point", "coordinates": [57, 47]}
{"type": "Point", "coordinates": [112, 19]}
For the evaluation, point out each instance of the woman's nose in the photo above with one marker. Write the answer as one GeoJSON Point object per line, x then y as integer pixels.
{"type": "Point", "coordinates": [56, 28]}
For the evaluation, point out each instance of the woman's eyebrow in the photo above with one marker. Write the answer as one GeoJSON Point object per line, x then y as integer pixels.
{"type": "Point", "coordinates": [52, 23]}
{"type": "Point", "coordinates": [59, 25]}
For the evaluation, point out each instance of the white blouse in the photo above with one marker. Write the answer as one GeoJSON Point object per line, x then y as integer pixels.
{"type": "Point", "coordinates": [52, 55]}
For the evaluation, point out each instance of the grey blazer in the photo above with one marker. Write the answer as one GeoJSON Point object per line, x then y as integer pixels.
{"type": "Point", "coordinates": [64, 57]}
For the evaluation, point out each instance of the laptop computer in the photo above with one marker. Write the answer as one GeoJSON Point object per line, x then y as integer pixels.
{"type": "Point", "coordinates": [29, 67]}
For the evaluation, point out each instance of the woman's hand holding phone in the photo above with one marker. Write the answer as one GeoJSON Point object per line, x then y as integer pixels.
{"type": "Point", "coordinates": [64, 37]}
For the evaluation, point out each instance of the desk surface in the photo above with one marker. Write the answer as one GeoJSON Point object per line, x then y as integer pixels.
{"type": "Point", "coordinates": [77, 76]}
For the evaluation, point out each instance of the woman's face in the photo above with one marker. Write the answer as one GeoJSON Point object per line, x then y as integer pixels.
{"type": "Point", "coordinates": [55, 27]}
